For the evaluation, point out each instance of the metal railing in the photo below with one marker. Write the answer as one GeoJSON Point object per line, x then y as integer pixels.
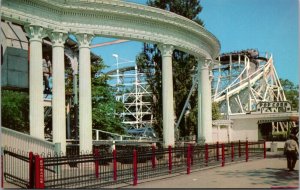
{"type": "Point", "coordinates": [23, 142]}
{"type": "Point", "coordinates": [128, 164]}
{"type": "Point", "coordinates": [16, 167]}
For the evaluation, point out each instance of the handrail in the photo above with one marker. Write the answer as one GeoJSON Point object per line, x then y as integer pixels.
{"type": "Point", "coordinates": [24, 142]}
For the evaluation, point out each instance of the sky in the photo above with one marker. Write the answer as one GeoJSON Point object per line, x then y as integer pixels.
{"type": "Point", "coordinates": [266, 25]}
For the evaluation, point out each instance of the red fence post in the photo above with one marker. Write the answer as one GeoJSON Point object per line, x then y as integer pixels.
{"type": "Point", "coordinates": [153, 156]}
{"type": "Point", "coordinates": [247, 151]}
{"type": "Point", "coordinates": [170, 159]}
{"type": "Point", "coordinates": [265, 150]}
{"type": "Point", "coordinates": [223, 154]}
{"type": "Point", "coordinates": [115, 163]}
{"type": "Point", "coordinates": [97, 157]}
{"type": "Point", "coordinates": [217, 150]}
{"type": "Point", "coordinates": [135, 177]}
{"type": "Point", "coordinates": [188, 160]}
{"type": "Point", "coordinates": [39, 173]}
{"type": "Point", "coordinates": [239, 148]}
{"type": "Point", "coordinates": [206, 154]}
{"type": "Point", "coordinates": [31, 170]}
{"type": "Point", "coordinates": [232, 152]}
{"type": "Point", "coordinates": [192, 157]}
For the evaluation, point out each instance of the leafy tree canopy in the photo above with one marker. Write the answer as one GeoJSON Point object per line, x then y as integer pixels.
{"type": "Point", "coordinates": [15, 110]}
{"type": "Point", "coordinates": [215, 111]}
{"type": "Point", "coordinates": [187, 8]}
{"type": "Point", "coordinates": [291, 92]}
{"type": "Point", "coordinates": [104, 104]}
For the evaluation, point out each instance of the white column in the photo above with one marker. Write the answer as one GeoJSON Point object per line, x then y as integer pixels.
{"type": "Point", "coordinates": [200, 130]}
{"type": "Point", "coordinates": [167, 93]}
{"type": "Point", "coordinates": [36, 99]}
{"type": "Point", "coordinates": [204, 102]}
{"type": "Point", "coordinates": [58, 90]}
{"type": "Point", "coordinates": [85, 93]}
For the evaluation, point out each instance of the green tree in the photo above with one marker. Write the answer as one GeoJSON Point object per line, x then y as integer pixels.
{"type": "Point", "coordinates": [187, 8]}
{"type": "Point", "coordinates": [291, 92]}
{"type": "Point", "coordinates": [15, 110]}
{"type": "Point", "coordinates": [149, 62]}
{"type": "Point", "coordinates": [215, 111]}
{"type": "Point", "coordinates": [104, 105]}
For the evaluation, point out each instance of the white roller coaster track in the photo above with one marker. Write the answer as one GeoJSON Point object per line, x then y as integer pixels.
{"type": "Point", "coordinates": [238, 85]}
{"type": "Point", "coordinates": [260, 83]}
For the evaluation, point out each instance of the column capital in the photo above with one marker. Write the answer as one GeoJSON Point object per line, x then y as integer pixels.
{"type": "Point", "coordinates": [58, 38]}
{"type": "Point", "coordinates": [36, 33]}
{"type": "Point", "coordinates": [84, 39]}
{"type": "Point", "coordinates": [204, 63]}
{"type": "Point", "coordinates": [165, 49]}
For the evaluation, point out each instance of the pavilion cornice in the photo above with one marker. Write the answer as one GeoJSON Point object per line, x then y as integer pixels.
{"type": "Point", "coordinates": [117, 19]}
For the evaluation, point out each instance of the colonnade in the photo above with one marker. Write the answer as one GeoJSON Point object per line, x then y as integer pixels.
{"type": "Point", "coordinates": [36, 114]}
{"type": "Point", "coordinates": [37, 33]}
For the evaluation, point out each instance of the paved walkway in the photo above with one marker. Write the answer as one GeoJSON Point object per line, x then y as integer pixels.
{"type": "Point", "coordinates": [265, 173]}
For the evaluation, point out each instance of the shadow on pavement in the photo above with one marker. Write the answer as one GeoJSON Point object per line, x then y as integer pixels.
{"type": "Point", "coordinates": [271, 176]}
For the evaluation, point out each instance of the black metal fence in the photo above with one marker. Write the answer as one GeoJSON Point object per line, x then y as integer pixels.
{"type": "Point", "coordinates": [127, 164]}
{"type": "Point", "coordinates": [16, 167]}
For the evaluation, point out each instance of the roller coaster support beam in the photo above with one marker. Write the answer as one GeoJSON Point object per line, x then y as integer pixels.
{"type": "Point", "coordinates": [195, 81]}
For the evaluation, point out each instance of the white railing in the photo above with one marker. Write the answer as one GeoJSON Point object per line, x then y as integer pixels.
{"type": "Point", "coordinates": [23, 142]}
{"type": "Point", "coordinates": [118, 136]}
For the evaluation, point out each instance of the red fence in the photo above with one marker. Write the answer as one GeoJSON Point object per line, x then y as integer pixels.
{"type": "Point", "coordinates": [103, 169]}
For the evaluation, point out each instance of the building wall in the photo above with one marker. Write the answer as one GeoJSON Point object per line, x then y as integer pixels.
{"type": "Point", "coordinates": [244, 129]}
{"type": "Point", "coordinates": [221, 134]}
